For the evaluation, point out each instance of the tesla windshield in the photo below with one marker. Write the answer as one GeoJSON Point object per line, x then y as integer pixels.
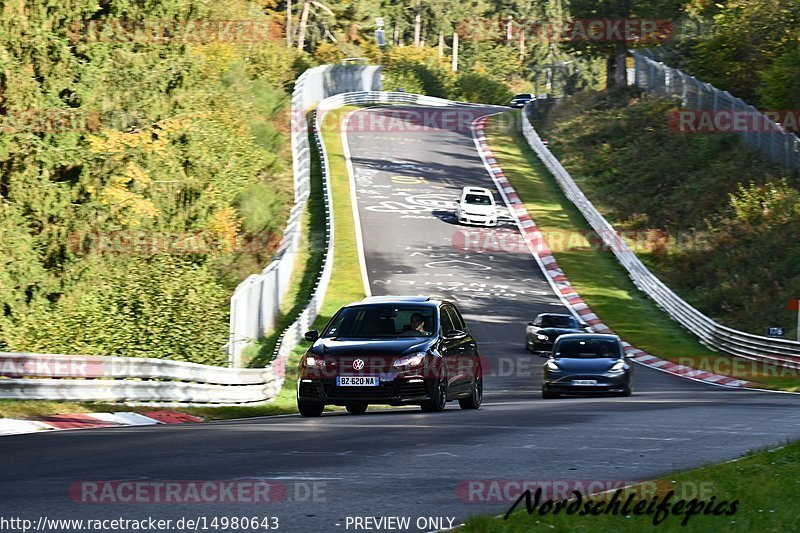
{"type": "Point", "coordinates": [588, 348]}
{"type": "Point", "coordinates": [382, 321]}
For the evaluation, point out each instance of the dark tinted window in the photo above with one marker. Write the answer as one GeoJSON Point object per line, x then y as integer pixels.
{"type": "Point", "coordinates": [388, 320]}
{"type": "Point", "coordinates": [587, 348]}
{"type": "Point", "coordinates": [559, 322]}
{"type": "Point", "coordinates": [458, 321]}
{"type": "Point", "coordinates": [478, 199]}
{"type": "Point", "coordinates": [445, 320]}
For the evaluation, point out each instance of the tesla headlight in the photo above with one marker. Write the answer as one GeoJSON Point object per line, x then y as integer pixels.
{"type": "Point", "coordinates": [552, 366]}
{"type": "Point", "coordinates": [618, 367]}
{"type": "Point", "coordinates": [314, 362]}
{"type": "Point", "coordinates": [542, 337]}
{"type": "Point", "coordinates": [415, 359]}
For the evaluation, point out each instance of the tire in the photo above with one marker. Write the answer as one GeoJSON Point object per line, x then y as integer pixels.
{"type": "Point", "coordinates": [474, 400]}
{"type": "Point", "coordinates": [438, 402]}
{"type": "Point", "coordinates": [547, 395]}
{"type": "Point", "coordinates": [310, 409]}
{"type": "Point", "coordinates": [357, 408]}
{"type": "Point", "coordinates": [627, 391]}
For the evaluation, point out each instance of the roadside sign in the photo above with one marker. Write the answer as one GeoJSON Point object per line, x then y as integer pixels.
{"type": "Point", "coordinates": [379, 22]}
{"type": "Point", "coordinates": [380, 36]}
{"type": "Point", "coordinates": [776, 332]}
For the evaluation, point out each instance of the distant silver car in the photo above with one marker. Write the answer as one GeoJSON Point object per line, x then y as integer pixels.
{"type": "Point", "coordinates": [521, 99]}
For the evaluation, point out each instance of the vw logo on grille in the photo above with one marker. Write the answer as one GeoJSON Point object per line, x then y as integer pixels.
{"type": "Point", "coordinates": [358, 364]}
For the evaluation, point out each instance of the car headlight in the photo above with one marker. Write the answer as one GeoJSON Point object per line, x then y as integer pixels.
{"type": "Point", "coordinates": [552, 366]}
{"type": "Point", "coordinates": [415, 359]}
{"type": "Point", "coordinates": [618, 367]}
{"type": "Point", "coordinates": [542, 337]}
{"type": "Point", "coordinates": [314, 362]}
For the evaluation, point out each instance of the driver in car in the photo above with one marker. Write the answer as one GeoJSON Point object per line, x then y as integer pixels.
{"type": "Point", "coordinates": [416, 327]}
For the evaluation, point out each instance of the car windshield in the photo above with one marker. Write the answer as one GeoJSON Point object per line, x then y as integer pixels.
{"type": "Point", "coordinates": [478, 199]}
{"type": "Point", "coordinates": [389, 320]}
{"type": "Point", "coordinates": [587, 348]}
{"type": "Point", "coordinates": [559, 322]}
{"type": "Point", "coordinates": [523, 95]}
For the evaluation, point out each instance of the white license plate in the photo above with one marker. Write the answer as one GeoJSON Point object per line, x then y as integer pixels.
{"type": "Point", "coordinates": [584, 382]}
{"type": "Point", "coordinates": [357, 381]}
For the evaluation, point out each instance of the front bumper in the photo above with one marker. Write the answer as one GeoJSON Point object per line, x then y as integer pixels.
{"type": "Point", "coordinates": [604, 383]}
{"type": "Point", "coordinates": [399, 391]}
{"type": "Point", "coordinates": [477, 220]}
{"type": "Point", "coordinates": [537, 345]}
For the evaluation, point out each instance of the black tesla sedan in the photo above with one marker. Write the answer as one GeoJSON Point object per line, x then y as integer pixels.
{"type": "Point", "coordinates": [392, 350]}
{"type": "Point", "coordinates": [587, 363]}
{"type": "Point", "coordinates": [547, 327]}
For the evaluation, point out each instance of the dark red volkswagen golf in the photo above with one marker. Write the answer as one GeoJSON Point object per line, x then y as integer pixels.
{"type": "Point", "coordinates": [395, 350]}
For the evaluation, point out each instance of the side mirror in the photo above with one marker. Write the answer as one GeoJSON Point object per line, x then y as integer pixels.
{"type": "Point", "coordinates": [311, 336]}
{"type": "Point", "coordinates": [584, 325]}
{"type": "Point", "coordinates": [455, 334]}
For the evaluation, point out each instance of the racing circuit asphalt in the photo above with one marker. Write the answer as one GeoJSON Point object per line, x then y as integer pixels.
{"type": "Point", "coordinates": [402, 462]}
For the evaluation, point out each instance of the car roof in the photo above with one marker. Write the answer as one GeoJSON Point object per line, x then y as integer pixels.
{"type": "Point", "coordinates": [555, 314]}
{"type": "Point", "coordinates": [588, 336]}
{"type": "Point", "coordinates": [475, 190]}
{"type": "Point", "coordinates": [399, 299]}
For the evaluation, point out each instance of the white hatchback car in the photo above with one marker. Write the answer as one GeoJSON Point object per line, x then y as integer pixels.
{"type": "Point", "coordinates": [477, 206]}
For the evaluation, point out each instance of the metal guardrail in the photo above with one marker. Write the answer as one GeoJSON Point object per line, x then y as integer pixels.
{"type": "Point", "coordinates": [762, 135]}
{"type": "Point", "coordinates": [781, 352]}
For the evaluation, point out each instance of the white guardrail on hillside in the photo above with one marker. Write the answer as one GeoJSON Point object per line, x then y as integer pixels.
{"type": "Point", "coordinates": [256, 302]}
{"type": "Point", "coordinates": [754, 347]}
{"type": "Point", "coordinates": [158, 381]}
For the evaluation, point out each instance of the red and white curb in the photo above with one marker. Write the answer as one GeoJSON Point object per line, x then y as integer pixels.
{"type": "Point", "coordinates": [18, 426]}
{"type": "Point", "coordinates": [558, 280]}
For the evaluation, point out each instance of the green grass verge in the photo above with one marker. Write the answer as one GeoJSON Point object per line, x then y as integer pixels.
{"type": "Point", "coordinates": [598, 277]}
{"type": "Point", "coordinates": [346, 286]}
{"type": "Point", "coordinates": [762, 483]}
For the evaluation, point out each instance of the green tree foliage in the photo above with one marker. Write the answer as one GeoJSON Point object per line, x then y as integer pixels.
{"type": "Point", "coordinates": [780, 81]}
{"type": "Point", "coordinates": [474, 87]}
{"type": "Point", "coordinates": [165, 142]}
{"type": "Point", "coordinates": [748, 37]}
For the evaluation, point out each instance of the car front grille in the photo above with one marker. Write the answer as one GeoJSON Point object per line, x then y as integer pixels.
{"type": "Point", "coordinates": [411, 390]}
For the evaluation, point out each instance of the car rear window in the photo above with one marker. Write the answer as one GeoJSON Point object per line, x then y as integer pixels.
{"type": "Point", "coordinates": [388, 320]}
{"type": "Point", "coordinates": [587, 348]}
